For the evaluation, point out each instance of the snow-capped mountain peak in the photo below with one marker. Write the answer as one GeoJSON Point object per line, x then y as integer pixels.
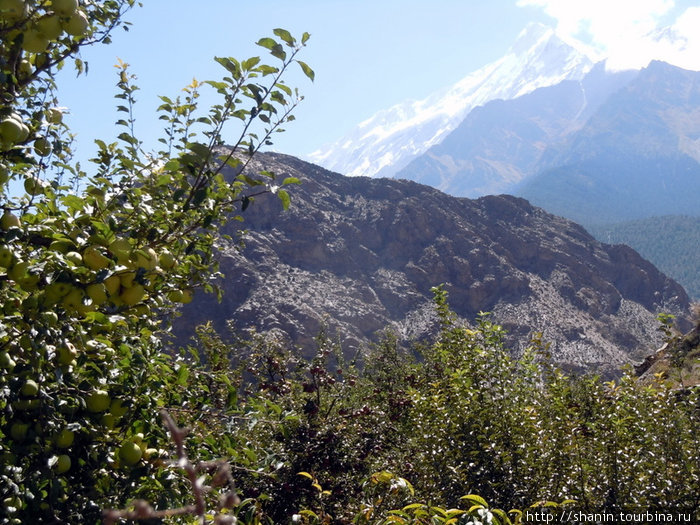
{"type": "Point", "coordinates": [389, 140]}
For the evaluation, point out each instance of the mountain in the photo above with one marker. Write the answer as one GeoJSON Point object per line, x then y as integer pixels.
{"type": "Point", "coordinates": [358, 255]}
{"type": "Point", "coordinates": [500, 144]}
{"type": "Point", "coordinates": [385, 143]}
{"type": "Point", "coordinates": [637, 156]}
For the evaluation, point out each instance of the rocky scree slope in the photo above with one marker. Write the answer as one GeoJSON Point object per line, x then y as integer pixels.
{"type": "Point", "coordinates": [357, 255]}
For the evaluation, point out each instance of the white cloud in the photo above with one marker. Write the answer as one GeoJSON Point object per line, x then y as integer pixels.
{"type": "Point", "coordinates": [628, 32]}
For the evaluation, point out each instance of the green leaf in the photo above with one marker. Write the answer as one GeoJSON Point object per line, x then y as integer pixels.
{"type": "Point", "coordinates": [267, 43]}
{"type": "Point", "coordinates": [307, 70]}
{"type": "Point", "coordinates": [473, 498]}
{"type": "Point", "coordinates": [285, 35]}
{"type": "Point", "coordinates": [305, 37]}
{"type": "Point", "coordinates": [290, 180]}
{"type": "Point", "coordinates": [249, 64]}
{"type": "Point", "coordinates": [284, 197]}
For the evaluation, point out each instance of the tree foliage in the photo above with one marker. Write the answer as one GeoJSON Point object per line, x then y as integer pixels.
{"type": "Point", "coordinates": [93, 260]}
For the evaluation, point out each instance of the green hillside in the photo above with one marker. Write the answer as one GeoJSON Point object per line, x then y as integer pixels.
{"type": "Point", "coordinates": [671, 242]}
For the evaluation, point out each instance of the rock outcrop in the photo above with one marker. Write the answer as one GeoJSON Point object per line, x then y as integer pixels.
{"type": "Point", "coordinates": [358, 255]}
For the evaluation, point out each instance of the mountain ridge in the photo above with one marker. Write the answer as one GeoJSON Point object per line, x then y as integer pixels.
{"type": "Point", "coordinates": [361, 254]}
{"type": "Point", "coordinates": [383, 144]}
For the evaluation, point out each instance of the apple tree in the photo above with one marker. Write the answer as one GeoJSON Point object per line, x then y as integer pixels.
{"type": "Point", "coordinates": [94, 261]}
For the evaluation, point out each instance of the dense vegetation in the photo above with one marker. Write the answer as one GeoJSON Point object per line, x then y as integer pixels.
{"type": "Point", "coordinates": [97, 414]}
{"type": "Point", "coordinates": [671, 242]}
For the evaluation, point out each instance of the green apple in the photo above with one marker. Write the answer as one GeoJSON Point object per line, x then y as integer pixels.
{"type": "Point", "coordinates": [64, 438]}
{"type": "Point", "coordinates": [9, 220]}
{"type": "Point", "coordinates": [50, 26]}
{"type": "Point", "coordinates": [73, 300]}
{"type": "Point", "coordinates": [126, 279]}
{"type": "Point", "coordinates": [42, 147]}
{"type": "Point", "coordinates": [145, 258]}
{"type": "Point", "coordinates": [33, 185]}
{"type": "Point", "coordinates": [25, 69]}
{"type": "Point", "coordinates": [6, 256]}
{"type": "Point", "coordinates": [18, 431]}
{"type": "Point", "coordinates": [97, 292]}
{"type": "Point", "coordinates": [34, 41]}
{"type": "Point", "coordinates": [66, 353]}
{"type": "Point", "coordinates": [55, 291]}
{"type": "Point", "coordinates": [108, 420]}
{"type": "Point", "coordinates": [167, 260]}
{"type": "Point", "coordinates": [63, 464]}
{"type": "Point", "coordinates": [54, 115]}
{"type": "Point", "coordinates": [98, 401]}
{"type": "Point", "coordinates": [133, 294]}
{"type": "Point", "coordinates": [117, 408]}
{"type": "Point", "coordinates": [130, 453]}
{"type": "Point", "coordinates": [121, 249]}
{"type": "Point", "coordinates": [13, 130]}
{"type": "Point", "coordinates": [65, 7]}
{"type": "Point", "coordinates": [94, 259]}
{"type": "Point", "coordinates": [77, 25]}
{"type": "Point", "coordinates": [12, 10]}
{"type": "Point", "coordinates": [62, 246]}
{"type": "Point", "coordinates": [6, 361]}
{"type": "Point", "coordinates": [30, 388]}
{"type": "Point", "coordinates": [18, 270]}
{"type": "Point", "coordinates": [75, 258]}
{"type": "Point", "coordinates": [112, 284]}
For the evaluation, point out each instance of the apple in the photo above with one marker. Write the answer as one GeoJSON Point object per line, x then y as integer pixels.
{"type": "Point", "coordinates": [6, 256]}
{"type": "Point", "coordinates": [13, 130]}
{"type": "Point", "coordinates": [25, 69]}
{"type": "Point", "coordinates": [121, 249]}
{"type": "Point", "coordinates": [18, 431]}
{"type": "Point", "coordinates": [77, 25]}
{"type": "Point", "coordinates": [55, 291]}
{"type": "Point", "coordinates": [62, 246]}
{"type": "Point", "coordinates": [63, 464]}
{"type": "Point", "coordinates": [65, 7]}
{"type": "Point", "coordinates": [145, 258]}
{"type": "Point", "coordinates": [98, 401]}
{"type": "Point", "coordinates": [73, 300]}
{"type": "Point", "coordinates": [75, 258]}
{"type": "Point", "coordinates": [117, 408]}
{"type": "Point", "coordinates": [30, 388]}
{"type": "Point", "coordinates": [130, 453]}
{"type": "Point", "coordinates": [108, 420]}
{"type": "Point", "coordinates": [42, 147]}
{"type": "Point", "coordinates": [94, 259]}
{"type": "Point", "coordinates": [126, 279]}
{"type": "Point", "coordinates": [167, 260]}
{"type": "Point", "coordinates": [34, 41]}
{"type": "Point", "coordinates": [54, 115]}
{"type": "Point", "coordinates": [6, 361]}
{"type": "Point", "coordinates": [64, 438]}
{"type": "Point", "coordinates": [18, 270]}
{"type": "Point", "coordinates": [97, 292]}
{"type": "Point", "coordinates": [66, 353]}
{"type": "Point", "coordinates": [112, 284]}
{"type": "Point", "coordinates": [133, 294]}
{"type": "Point", "coordinates": [50, 26]}
{"type": "Point", "coordinates": [9, 220]}
{"type": "Point", "coordinates": [33, 185]}
{"type": "Point", "coordinates": [12, 10]}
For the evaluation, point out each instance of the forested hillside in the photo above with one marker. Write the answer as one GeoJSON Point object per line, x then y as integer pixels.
{"type": "Point", "coordinates": [671, 242]}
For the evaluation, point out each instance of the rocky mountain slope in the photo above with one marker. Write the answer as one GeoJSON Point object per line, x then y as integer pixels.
{"type": "Point", "coordinates": [385, 143]}
{"type": "Point", "coordinates": [359, 255]}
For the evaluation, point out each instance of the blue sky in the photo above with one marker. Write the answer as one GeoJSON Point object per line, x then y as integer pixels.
{"type": "Point", "coordinates": [367, 54]}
